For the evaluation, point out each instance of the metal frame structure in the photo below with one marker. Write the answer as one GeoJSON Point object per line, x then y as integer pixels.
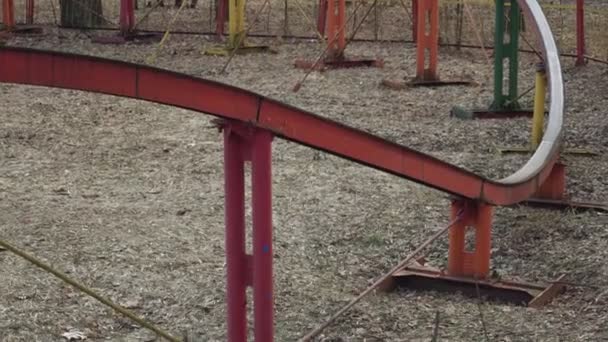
{"type": "Point", "coordinates": [251, 120]}
{"type": "Point", "coordinates": [8, 18]}
{"type": "Point", "coordinates": [237, 33]}
{"type": "Point", "coordinates": [506, 48]}
{"type": "Point", "coordinates": [426, 13]}
{"type": "Point", "coordinates": [331, 20]}
{"type": "Point", "coordinates": [127, 31]}
{"type": "Point", "coordinates": [241, 144]}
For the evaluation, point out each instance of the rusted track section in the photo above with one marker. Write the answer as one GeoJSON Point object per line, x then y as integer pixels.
{"type": "Point", "coordinates": [69, 71]}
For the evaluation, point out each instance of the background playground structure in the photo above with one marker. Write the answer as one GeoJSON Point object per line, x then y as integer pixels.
{"type": "Point", "coordinates": [145, 181]}
{"type": "Point", "coordinates": [390, 20]}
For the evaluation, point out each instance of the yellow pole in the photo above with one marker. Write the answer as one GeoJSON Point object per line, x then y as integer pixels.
{"type": "Point", "coordinates": [539, 106]}
{"type": "Point", "coordinates": [236, 21]}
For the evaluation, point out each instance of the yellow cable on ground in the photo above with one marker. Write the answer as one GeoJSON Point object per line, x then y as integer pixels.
{"type": "Point", "coordinates": [87, 290]}
{"type": "Point", "coordinates": [152, 58]}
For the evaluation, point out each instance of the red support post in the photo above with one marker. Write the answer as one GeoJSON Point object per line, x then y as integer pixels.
{"type": "Point", "coordinates": [8, 14]}
{"type": "Point", "coordinates": [221, 15]}
{"type": "Point", "coordinates": [29, 12]}
{"type": "Point", "coordinates": [262, 235]}
{"type": "Point", "coordinates": [322, 16]}
{"type": "Point", "coordinates": [241, 144]}
{"type": "Point", "coordinates": [580, 32]}
{"type": "Point", "coordinates": [336, 30]}
{"type": "Point", "coordinates": [475, 262]}
{"type": "Point", "coordinates": [427, 42]}
{"type": "Point", "coordinates": [127, 17]}
{"type": "Point", "coordinates": [236, 260]}
{"type": "Point", "coordinates": [554, 187]}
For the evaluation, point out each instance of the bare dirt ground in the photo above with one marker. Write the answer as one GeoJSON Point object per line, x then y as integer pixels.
{"type": "Point", "coordinates": [127, 197]}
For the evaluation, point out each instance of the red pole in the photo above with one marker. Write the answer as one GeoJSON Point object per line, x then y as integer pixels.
{"type": "Point", "coordinates": [220, 17]}
{"type": "Point", "coordinates": [427, 42]}
{"type": "Point", "coordinates": [580, 32]}
{"type": "Point", "coordinates": [261, 172]}
{"type": "Point", "coordinates": [127, 16]}
{"type": "Point", "coordinates": [236, 261]}
{"type": "Point", "coordinates": [8, 14]}
{"type": "Point", "coordinates": [29, 12]}
{"type": "Point", "coordinates": [321, 16]}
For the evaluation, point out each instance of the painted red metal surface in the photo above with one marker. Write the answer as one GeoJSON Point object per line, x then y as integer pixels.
{"type": "Point", "coordinates": [127, 17]}
{"type": "Point", "coordinates": [475, 262]}
{"type": "Point", "coordinates": [29, 12]}
{"type": "Point", "coordinates": [234, 218]}
{"type": "Point", "coordinates": [221, 15]}
{"type": "Point", "coordinates": [243, 144]}
{"type": "Point", "coordinates": [261, 193]}
{"type": "Point", "coordinates": [54, 69]}
{"type": "Point", "coordinates": [8, 14]}
{"type": "Point", "coordinates": [427, 41]}
{"type": "Point", "coordinates": [580, 32]}
{"type": "Point", "coordinates": [322, 16]}
{"type": "Point", "coordinates": [336, 30]}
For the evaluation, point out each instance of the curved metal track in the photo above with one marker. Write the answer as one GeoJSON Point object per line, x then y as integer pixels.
{"type": "Point", "coordinates": [69, 71]}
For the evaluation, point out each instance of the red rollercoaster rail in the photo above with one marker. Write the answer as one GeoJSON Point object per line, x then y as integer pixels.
{"type": "Point", "coordinates": [250, 123]}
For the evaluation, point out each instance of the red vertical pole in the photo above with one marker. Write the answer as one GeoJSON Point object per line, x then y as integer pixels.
{"type": "Point", "coordinates": [236, 260]}
{"type": "Point", "coordinates": [428, 12]}
{"type": "Point", "coordinates": [580, 32]}
{"type": "Point", "coordinates": [321, 16]}
{"type": "Point", "coordinates": [336, 30]}
{"type": "Point", "coordinates": [261, 173]}
{"type": "Point", "coordinates": [29, 12]}
{"type": "Point", "coordinates": [475, 262]}
{"type": "Point", "coordinates": [220, 17]}
{"type": "Point", "coordinates": [8, 14]}
{"type": "Point", "coordinates": [127, 16]}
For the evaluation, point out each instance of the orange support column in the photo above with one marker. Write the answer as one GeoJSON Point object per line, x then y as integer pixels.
{"type": "Point", "coordinates": [336, 37]}
{"type": "Point", "coordinates": [425, 21]}
{"type": "Point", "coordinates": [332, 17]}
{"type": "Point", "coordinates": [427, 39]}
{"type": "Point", "coordinates": [474, 262]}
{"type": "Point", "coordinates": [468, 269]}
{"type": "Point", "coordinates": [8, 14]}
{"type": "Point", "coordinates": [554, 186]}
{"type": "Point", "coordinates": [29, 12]}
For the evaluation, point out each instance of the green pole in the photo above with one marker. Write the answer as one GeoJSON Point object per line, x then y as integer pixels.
{"type": "Point", "coordinates": [506, 50]}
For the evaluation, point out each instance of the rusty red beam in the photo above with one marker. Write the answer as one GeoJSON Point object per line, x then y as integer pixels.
{"type": "Point", "coordinates": [69, 71]}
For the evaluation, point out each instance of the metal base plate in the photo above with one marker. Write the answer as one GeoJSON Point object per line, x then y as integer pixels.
{"type": "Point", "coordinates": [340, 64]}
{"type": "Point", "coordinates": [462, 113]}
{"type": "Point", "coordinates": [24, 30]}
{"type": "Point", "coordinates": [525, 150]}
{"type": "Point", "coordinates": [225, 50]}
{"type": "Point", "coordinates": [419, 277]}
{"type": "Point", "coordinates": [397, 85]}
{"type": "Point", "coordinates": [140, 38]}
{"type": "Point", "coordinates": [565, 204]}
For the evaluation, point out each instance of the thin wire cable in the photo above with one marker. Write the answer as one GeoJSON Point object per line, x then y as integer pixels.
{"type": "Point", "coordinates": [381, 280]}
{"type": "Point", "coordinates": [480, 309]}
{"type": "Point", "coordinates": [154, 55]}
{"type": "Point", "coordinates": [87, 290]}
